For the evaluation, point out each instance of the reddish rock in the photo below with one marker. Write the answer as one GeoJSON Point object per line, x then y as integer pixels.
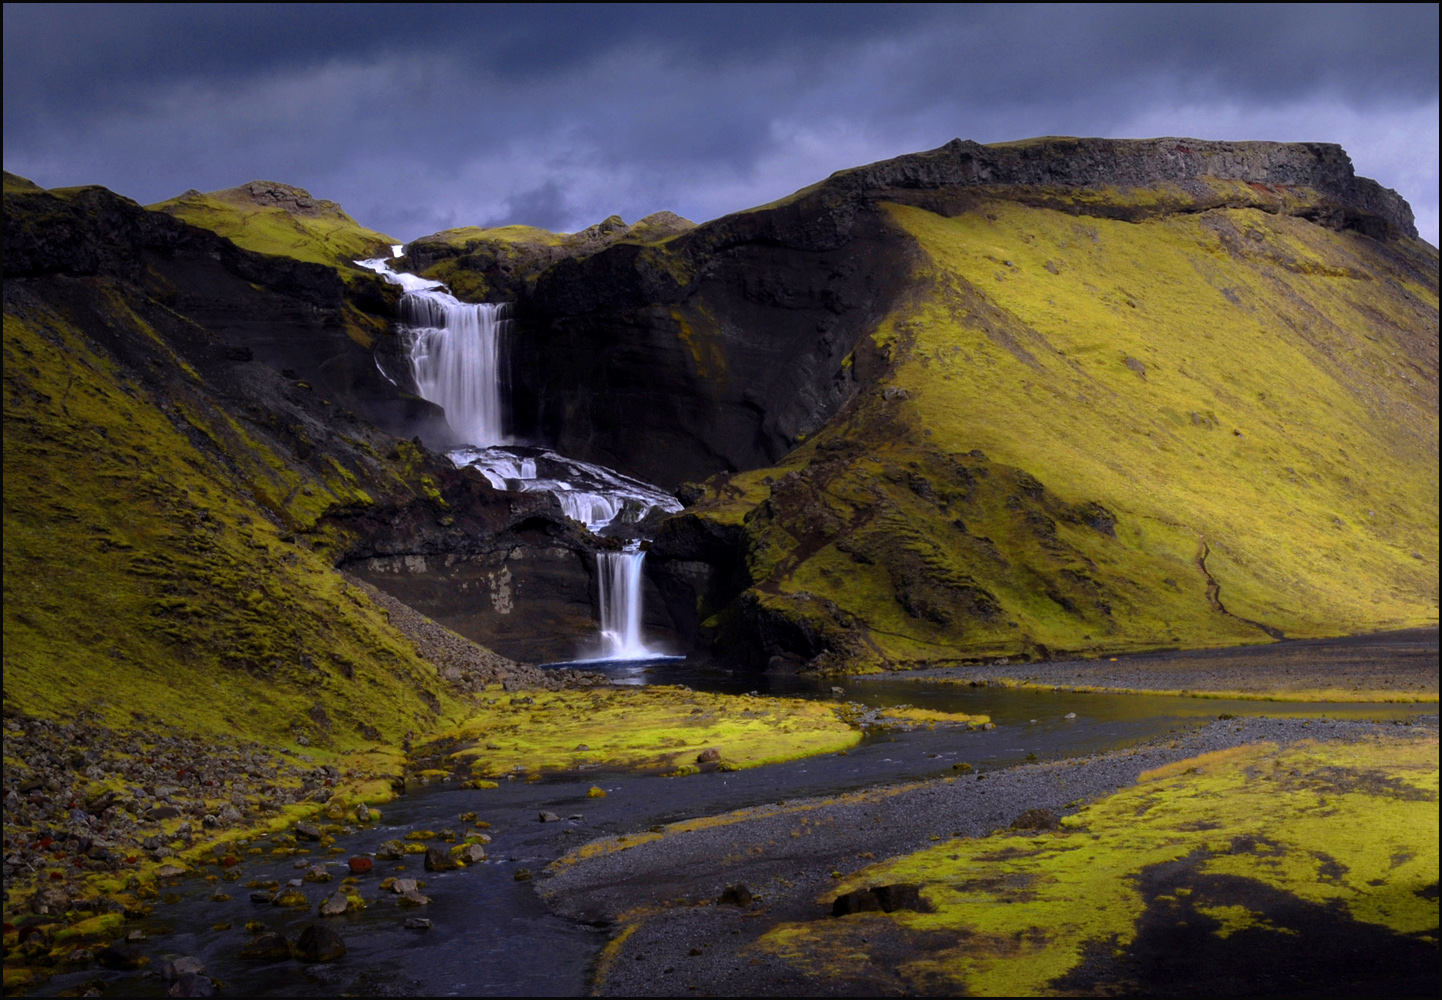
{"type": "Point", "coordinates": [360, 866]}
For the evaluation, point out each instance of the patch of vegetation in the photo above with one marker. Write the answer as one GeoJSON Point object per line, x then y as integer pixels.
{"type": "Point", "coordinates": [1246, 841]}
{"type": "Point", "coordinates": [322, 234]}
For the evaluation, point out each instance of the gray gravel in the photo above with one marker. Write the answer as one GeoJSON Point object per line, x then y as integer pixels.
{"type": "Point", "coordinates": [681, 875]}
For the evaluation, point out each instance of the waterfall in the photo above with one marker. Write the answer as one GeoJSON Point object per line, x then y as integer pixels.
{"type": "Point", "coordinates": [455, 354]}
{"type": "Point", "coordinates": [455, 350]}
{"type": "Point", "coordinates": [620, 580]}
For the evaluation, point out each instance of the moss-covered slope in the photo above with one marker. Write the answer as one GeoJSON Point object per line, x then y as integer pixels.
{"type": "Point", "coordinates": [171, 506]}
{"type": "Point", "coordinates": [1120, 421]}
{"type": "Point", "coordinates": [273, 218]}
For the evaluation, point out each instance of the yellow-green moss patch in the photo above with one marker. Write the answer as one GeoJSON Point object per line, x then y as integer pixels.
{"type": "Point", "coordinates": [1350, 829]}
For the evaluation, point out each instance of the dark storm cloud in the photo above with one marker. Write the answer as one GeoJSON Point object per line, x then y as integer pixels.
{"type": "Point", "coordinates": [422, 117]}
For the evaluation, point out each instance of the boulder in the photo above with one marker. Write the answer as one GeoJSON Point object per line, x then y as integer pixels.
{"type": "Point", "coordinates": [318, 943]}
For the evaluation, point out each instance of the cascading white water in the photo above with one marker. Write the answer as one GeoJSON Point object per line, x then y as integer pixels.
{"type": "Point", "coordinates": [455, 358]}
{"type": "Point", "coordinates": [455, 352]}
{"type": "Point", "coordinates": [621, 604]}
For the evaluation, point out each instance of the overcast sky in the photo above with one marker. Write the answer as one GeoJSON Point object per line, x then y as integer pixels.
{"type": "Point", "coordinates": [419, 118]}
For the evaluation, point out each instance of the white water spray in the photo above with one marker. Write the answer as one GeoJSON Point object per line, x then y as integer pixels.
{"type": "Point", "coordinates": [455, 358]}
{"type": "Point", "coordinates": [620, 581]}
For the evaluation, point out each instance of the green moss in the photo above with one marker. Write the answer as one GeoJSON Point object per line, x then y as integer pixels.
{"type": "Point", "coordinates": [148, 567]}
{"type": "Point", "coordinates": [329, 236]}
{"type": "Point", "coordinates": [1102, 436]}
{"type": "Point", "coordinates": [653, 728]}
{"type": "Point", "coordinates": [1352, 827]}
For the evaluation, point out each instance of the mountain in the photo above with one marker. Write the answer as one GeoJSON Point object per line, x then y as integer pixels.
{"type": "Point", "coordinates": [1063, 396]}
{"type": "Point", "coordinates": [1055, 396]}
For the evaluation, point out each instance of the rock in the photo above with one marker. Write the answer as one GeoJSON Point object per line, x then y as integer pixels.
{"type": "Point", "coordinates": [1069, 715]}
{"type": "Point", "coordinates": [290, 897]}
{"type": "Point", "coordinates": [360, 866]}
{"type": "Point", "coordinates": [189, 965]}
{"type": "Point", "coordinates": [158, 813]}
{"type": "Point", "coordinates": [391, 850]}
{"type": "Point", "coordinates": [438, 859]}
{"type": "Point", "coordinates": [861, 901]}
{"type": "Point", "coordinates": [963, 767]}
{"type": "Point", "coordinates": [401, 886]}
{"type": "Point", "coordinates": [596, 792]}
{"type": "Point", "coordinates": [318, 943]}
{"type": "Point", "coordinates": [988, 725]}
{"type": "Point", "coordinates": [550, 817]}
{"type": "Point", "coordinates": [1036, 819]}
{"type": "Point", "coordinates": [192, 986]}
{"type": "Point", "coordinates": [471, 854]}
{"type": "Point", "coordinates": [735, 895]}
{"type": "Point", "coordinates": [262, 896]}
{"type": "Point", "coordinates": [334, 905]}
{"type": "Point", "coordinates": [417, 924]}
{"type": "Point", "coordinates": [708, 756]}
{"type": "Point", "coordinates": [230, 815]}
{"type": "Point", "coordinates": [307, 831]}
{"type": "Point", "coordinates": [267, 947]}
{"type": "Point", "coordinates": [901, 896]}
{"type": "Point", "coordinates": [121, 957]}
{"type": "Point", "coordinates": [169, 871]}
{"type": "Point", "coordinates": [316, 874]}
{"type": "Point", "coordinates": [49, 901]}
{"type": "Point", "coordinates": [413, 898]}
{"type": "Point", "coordinates": [363, 813]}
{"type": "Point", "coordinates": [522, 875]}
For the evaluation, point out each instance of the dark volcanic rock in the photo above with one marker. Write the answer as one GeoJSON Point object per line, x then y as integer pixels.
{"type": "Point", "coordinates": [318, 943]}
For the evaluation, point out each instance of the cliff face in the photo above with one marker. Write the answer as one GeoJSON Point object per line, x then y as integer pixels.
{"type": "Point", "coordinates": [916, 377]}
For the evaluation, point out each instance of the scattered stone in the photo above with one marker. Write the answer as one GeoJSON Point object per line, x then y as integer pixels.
{"type": "Point", "coordinates": [421, 835]}
{"type": "Point", "coordinates": [1069, 715]}
{"type": "Point", "coordinates": [708, 756]}
{"type": "Point", "coordinates": [860, 901]}
{"type": "Point", "coordinates": [838, 691]}
{"type": "Point", "coordinates": [391, 850]}
{"type": "Point", "coordinates": [192, 986]}
{"type": "Point", "coordinates": [135, 936]}
{"type": "Point", "coordinates": [360, 866]}
{"type": "Point", "coordinates": [735, 895]}
{"type": "Point", "coordinates": [316, 874]}
{"type": "Point", "coordinates": [988, 725]}
{"type": "Point", "coordinates": [401, 886]}
{"type": "Point", "coordinates": [596, 792]}
{"type": "Point", "coordinates": [230, 815]}
{"type": "Point", "coordinates": [963, 767]}
{"type": "Point", "coordinates": [1036, 819]}
{"type": "Point", "coordinates": [290, 897]}
{"type": "Point", "coordinates": [901, 896]}
{"type": "Point", "coordinates": [307, 831]}
{"type": "Point", "coordinates": [471, 854]}
{"type": "Point", "coordinates": [549, 817]}
{"type": "Point", "coordinates": [466, 817]}
{"type": "Point", "coordinates": [417, 924]}
{"type": "Point", "coordinates": [169, 871]}
{"type": "Point", "coordinates": [438, 859]}
{"type": "Point", "coordinates": [267, 947]}
{"type": "Point", "coordinates": [522, 875]}
{"type": "Point", "coordinates": [413, 898]}
{"type": "Point", "coordinates": [49, 901]}
{"type": "Point", "coordinates": [318, 943]}
{"type": "Point", "coordinates": [121, 957]}
{"type": "Point", "coordinates": [174, 969]}
{"type": "Point", "coordinates": [334, 905]}
{"type": "Point", "coordinates": [262, 896]}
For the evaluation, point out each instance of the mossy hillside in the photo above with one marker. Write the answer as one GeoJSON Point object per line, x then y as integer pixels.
{"type": "Point", "coordinates": [1265, 384]}
{"type": "Point", "coordinates": [151, 564]}
{"type": "Point", "coordinates": [1256, 841]}
{"type": "Point", "coordinates": [1084, 444]}
{"type": "Point", "coordinates": [324, 234]}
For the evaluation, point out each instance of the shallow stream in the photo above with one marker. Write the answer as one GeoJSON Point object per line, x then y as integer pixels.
{"type": "Point", "coordinates": [491, 934]}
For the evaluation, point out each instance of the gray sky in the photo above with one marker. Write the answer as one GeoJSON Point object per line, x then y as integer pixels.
{"type": "Point", "coordinates": [419, 118]}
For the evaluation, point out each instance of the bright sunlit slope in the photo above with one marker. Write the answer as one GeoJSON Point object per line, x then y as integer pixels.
{"type": "Point", "coordinates": [1192, 428]}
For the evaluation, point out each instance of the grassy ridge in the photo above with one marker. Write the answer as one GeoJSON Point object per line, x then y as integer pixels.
{"type": "Point", "coordinates": [326, 235]}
